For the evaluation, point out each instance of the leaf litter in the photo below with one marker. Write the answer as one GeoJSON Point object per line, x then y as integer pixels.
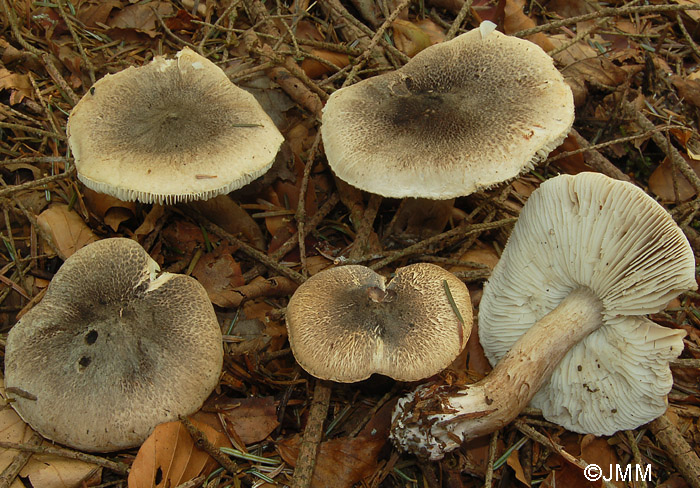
{"type": "Point", "coordinates": [293, 54]}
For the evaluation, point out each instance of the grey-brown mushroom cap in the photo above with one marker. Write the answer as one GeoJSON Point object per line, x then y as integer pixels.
{"type": "Point", "coordinates": [346, 323]}
{"type": "Point", "coordinates": [111, 351]}
{"type": "Point", "coordinates": [172, 130]}
{"type": "Point", "coordinates": [612, 238]}
{"type": "Point", "coordinates": [460, 116]}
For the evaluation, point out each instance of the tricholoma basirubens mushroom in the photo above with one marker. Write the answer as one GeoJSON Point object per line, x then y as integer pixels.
{"type": "Point", "coordinates": [112, 350]}
{"type": "Point", "coordinates": [562, 319]}
{"type": "Point", "coordinates": [346, 323]}
{"type": "Point", "coordinates": [174, 130]}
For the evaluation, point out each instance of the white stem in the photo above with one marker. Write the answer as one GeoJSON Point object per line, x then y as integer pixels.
{"type": "Point", "coordinates": [436, 419]}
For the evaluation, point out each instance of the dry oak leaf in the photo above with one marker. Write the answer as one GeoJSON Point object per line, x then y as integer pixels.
{"type": "Point", "coordinates": [111, 210]}
{"type": "Point", "coordinates": [661, 182]}
{"type": "Point", "coordinates": [253, 419]}
{"type": "Point", "coordinates": [341, 462]}
{"type": "Point", "coordinates": [169, 457]}
{"type": "Point", "coordinates": [19, 85]}
{"type": "Point", "coordinates": [41, 470]}
{"type": "Point", "coordinates": [66, 228]}
{"type": "Point", "coordinates": [220, 274]}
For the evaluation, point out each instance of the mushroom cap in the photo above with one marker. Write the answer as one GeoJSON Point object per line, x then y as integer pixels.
{"type": "Point", "coordinates": [112, 351]}
{"type": "Point", "coordinates": [592, 231]}
{"type": "Point", "coordinates": [346, 323]}
{"type": "Point", "coordinates": [460, 116]}
{"type": "Point", "coordinates": [170, 131]}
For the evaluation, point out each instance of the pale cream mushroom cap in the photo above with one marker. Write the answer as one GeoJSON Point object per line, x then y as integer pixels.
{"type": "Point", "coordinates": [460, 116]}
{"type": "Point", "coordinates": [112, 350]}
{"type": "Point", "coordinates": [171, 131]}
{"type": "Point", "coordinates": [608, 236]}
{"type": "Point", "coordinates": [346, 323]}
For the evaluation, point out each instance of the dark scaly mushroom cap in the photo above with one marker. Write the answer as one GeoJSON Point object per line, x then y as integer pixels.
{"type": "Point", "coordinates": [112, 350]}
{"type": "Point", "coordinates": [461, 116]}
{"type": "Point", "coordinates": [173, 130]}
{"type": "Point", "coordinates": [346, 323]}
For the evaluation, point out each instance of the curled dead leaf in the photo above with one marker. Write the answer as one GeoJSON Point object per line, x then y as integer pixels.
{"type": "Point", "coordinates": [67, 230]}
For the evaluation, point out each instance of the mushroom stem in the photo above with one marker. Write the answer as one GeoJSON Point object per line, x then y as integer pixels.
{"type": "Point", "coordinates": [433, 420]}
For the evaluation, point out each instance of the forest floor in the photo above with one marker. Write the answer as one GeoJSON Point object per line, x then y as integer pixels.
{"type": "Point", "coordinates": [633, 70]}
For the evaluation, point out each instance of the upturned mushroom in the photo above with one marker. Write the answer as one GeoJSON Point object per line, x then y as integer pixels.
{"type": "Point", "coordinates": [346, 323]}
{"type": "Point", "coordinates": [112, 350]}
{"type": "Point", "coordinates": [461, 116]}
{"type": "Point", "coordinates": [171, 131]}
{"type": "Point", "coordinates": [562, 319]}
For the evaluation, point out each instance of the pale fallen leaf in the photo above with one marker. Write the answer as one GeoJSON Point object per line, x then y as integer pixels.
{"type": "Point", "coordinates": [228, 215]}
{"type": "Point", "coordinates": [169, 457]}
{"type": "Point", "coordinates": [66, 228]}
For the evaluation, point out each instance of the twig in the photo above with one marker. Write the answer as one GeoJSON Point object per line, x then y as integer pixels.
{"type": "Point", "coordinates": [301, 206]}
{"type": "Point", "coordinates": [247, 249]}
{"type": "Point", "coordinates": [679, 451]}
{"type": "Point", "coordinates": [76, 39]}
{"type": "Point", "coordinates": [686, 35]}
{"type": "Point", "coordinates": [117, 467]}
{"type": "Point", "coordinates": [595, 159]}
{"type": "Point", "coordinates": [56, 76]}
{"type": "Point", "coordinates": [7, 477]}
{"type": "Point", "coordinates": [14, 25]}
{"type": "Point", "coordinates": [33, 184]}
{"type": "Point", "coordinates": [665, 145]}
{"type": "Point", "coordinates": [308, 448]}
{"type": "Point", "coordinates": [41, 132]}
{"type": "Point", "coordinates": [605, 12]}
{"type": "Point", "coordinates": [636, 455]}
{"type": "Point", "coordinates": [460, 232]}
{"type": "Point", "coordinates": [461, 15]}
{"type": "Point", "coordinates": [364, 227]}
{"type": "Point", "coordinates": [493, 444]}
{"type": "Point", "coordinates": [549, 443]}
{"type": "Point", "coordinates": [375, 40]}
{"type": "Point", "coordinates": [201, 441]}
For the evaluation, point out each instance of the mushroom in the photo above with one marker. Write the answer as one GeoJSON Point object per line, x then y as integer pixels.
{"type": "Point", "coordinates": [562, 317]}
{"type": "Point", "coordinates": [460, 116]}
{"type": "Point", "coordinates": [112, 350]}
{"type": "Point", "coordinates": [346, 323]}
{"type": "Point", "coordinates": [171, 131]}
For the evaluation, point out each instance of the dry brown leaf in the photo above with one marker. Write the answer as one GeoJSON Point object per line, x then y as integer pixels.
{"type": "Point", "coordinates": [170, 457]}
{"type": "Point", "coordinates": [253, 419]}
{"type": "Point", "coordinates": [42, 470]}
{"type": "Point", "coordinates": [66, 228]}
{"type": "Point", "coordinates": [661, 182]}
{"type": "Point", "coordinates": [340, 462]}
{"type": "Point", "coordinates": [96, 12]}
{"type": "Point", "coordinates": [514, 462]}
{"type": "Point", "coordinates": [409, 37]}
{"type": "Point", "coordinates": [220, 274]}
{"type": "Point", "coordinates": [515, 20]}
{"type": "Point", "coordinates": [228, 215]}
{"type": "Point", "coordinates": [316, 69]}
{"type": "Point", "coordinates": [149, 223]}
{"type": "Point", "coordinates": [108, 208]}
{"type": "Point", "coordinates": [688, 89]}
{"type": "Point", "coordinates": [275, 286]}
{"type": "Point", "coordinates": [596, 450]}
{"type": "Point", "coordinates": [140, 17]}
{"type": "Point", "coordinates": [16, 83]}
